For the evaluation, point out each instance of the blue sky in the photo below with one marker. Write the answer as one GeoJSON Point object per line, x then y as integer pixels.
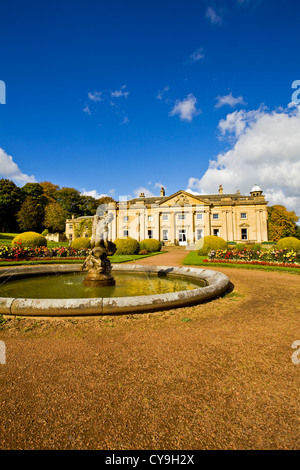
{"type": "Point", "coordinates": [111, 97]}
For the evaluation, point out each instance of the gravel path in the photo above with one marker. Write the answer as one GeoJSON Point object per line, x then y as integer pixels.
{"type": "Point", "coordinates": [213, 376]}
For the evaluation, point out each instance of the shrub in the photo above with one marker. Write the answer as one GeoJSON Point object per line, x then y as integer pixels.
{"type": "Point", "coordinates": [151, 245]}
{"type": "Point", "coordinates": [45, 232]}
{"type": "Point", "coordinates": [239, 247]}
{"type": "Point", "coordinates": [81, 243]}
{"type": "Point", "coordinates": [254, 247]}
{"type": "Point", "coordinates": [288, 243]}
{"type": "Point", "coordinates": [29, 239]}
{"type": "Point", "coordinates": [127, 246]}
{"type": "Point", "coordinates": [211, 242]}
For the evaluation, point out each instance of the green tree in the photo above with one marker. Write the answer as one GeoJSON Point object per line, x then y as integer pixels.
{"type": "Point", "coordinates": [11, 199]}
{"type": "Point", "coordinates": [281, 223]}
{"type": "Point", "coordinates": [55, 217]}
{"type": "Point", "coordinates": [69, 199]}
{"type": "Point", "coordinates": [87, 205]}
{"type": "Point", "coordinates": [31, 216]}
{"type": "Point", "coordinates": [36, 192]}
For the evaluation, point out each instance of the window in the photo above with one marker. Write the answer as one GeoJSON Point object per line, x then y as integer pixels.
{"type": "Point", "coordinates": [125, 233]}
{"type": "Point", "coordinates": [216, 216]}
{"type": "Point", "coordinates": [150, 233]}
{"type": "Point", "coordinates": [70, 237]}
{"type": "Point", "coordinates": [244, 234]}
{"type": "Point", "coordinates": [125, 218]}
{"type": "Point", "coordinates": [165, 217]}
{"type": "Point", "coordinates": [216, 232]}
{"type": "Point", "coordinates": [70, 226]}
{"type": "Point", "coordinates": [199, 216]}
{"type": "Point", "coordinates": [243, 215]}
{"type": "Point", "coordinates": [199, 233]}
{"type": "Point", "coordinates": [150, 218]}
{"type": "Point", "coordinates": [181, 216]}
{"type": "Point", "coordinates": [165, 235]}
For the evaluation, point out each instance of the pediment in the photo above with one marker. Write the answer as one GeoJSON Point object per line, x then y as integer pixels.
{"type": "Point", "coordinates": [244, 225]}
{"type": "Point", "coordinates": [182, 198]}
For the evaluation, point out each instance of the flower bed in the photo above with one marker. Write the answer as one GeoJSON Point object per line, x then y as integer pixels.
{"type": "Point", "coordinates": [288, 258]}
{"type": "Point", "coordinates": [9, 253]}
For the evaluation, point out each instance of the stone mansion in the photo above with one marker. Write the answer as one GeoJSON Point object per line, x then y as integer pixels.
{"type": "Point", "coordinates": [183, 218]}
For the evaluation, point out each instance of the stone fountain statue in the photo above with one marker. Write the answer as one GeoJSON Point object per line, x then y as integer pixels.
{"type": "Point", "coordinates": [97, 264]}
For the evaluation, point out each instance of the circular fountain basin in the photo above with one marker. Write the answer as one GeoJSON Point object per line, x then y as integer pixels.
{"type": "Point", "coordinates": [162, 287]}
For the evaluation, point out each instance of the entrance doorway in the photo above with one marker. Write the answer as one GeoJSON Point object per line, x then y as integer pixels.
{"type": "Point", "coordinates": [182, 237]}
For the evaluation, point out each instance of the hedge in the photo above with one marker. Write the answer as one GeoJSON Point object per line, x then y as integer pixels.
{"type": "Point", "coordinates": [150, 245]}
{"type": "Point", "coordinates": [29, 239]}
{"type": "Point", "coordinates": [127, 246]}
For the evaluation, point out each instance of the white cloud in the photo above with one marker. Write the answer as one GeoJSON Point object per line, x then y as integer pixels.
{"type": "Point", "coordinates": [119, 93]}
{"type": "Point", "coordinates": [140, 190]}
{"type": "Point", "coordinates": [93, 193]}
{"type": "Point", "coordinates": [195, 56]}
{"type": "Point", "coordinates": [161, 93]}
{"type": "Point", "coordinates": [194, 193]}
{"type": "Point", "coordinates": [125, 120]}
{"type": "Point", "coordinates": [212, 16]}
{"type": "Point", "coordinates": [96, 96]}
{"type": "Point", "coordinates": [265, 150]}
{"type": "Point", "coordinates": [10, 170]}
{"type": "Point", "coordinates": [87, 110]}
{"type": "Point", "coordinates": [229, 100]}
{"type": "Point", "coordinates": [186, 109]}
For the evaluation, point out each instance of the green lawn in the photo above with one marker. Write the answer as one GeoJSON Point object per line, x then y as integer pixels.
{"type": "Point", "coordinates": [6, 238]}
{"type": "Point", "coordinates": [193, 259]}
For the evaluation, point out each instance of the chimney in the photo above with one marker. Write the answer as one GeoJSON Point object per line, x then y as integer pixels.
{"type": "Point", "coordinates": [162, 192]}
{"type": "Point", "coordinates": [142, 195]}
{"type": "Point", "coordinates": [221, 189]}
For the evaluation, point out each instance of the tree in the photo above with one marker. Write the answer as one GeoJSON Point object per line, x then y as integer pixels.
{"type": "Point", "coordinates": [105, 200]}
{"type": "Point", "coordinates": [31, 216]}
{"type": "Point", "coordinates": [55, 217]}
{"type": "Point", "coordinates": [11, 199]}
{"type": "Point", "coordinates": [50, 190]}
{"type": "Point", "coordinates": [69, 199]}
{"type": "Point", "coordinates": [36, 192]}
{"type": "Point", "coordinates": [88, 205]}
{"type": "Point", "coordinates": [281, 223]}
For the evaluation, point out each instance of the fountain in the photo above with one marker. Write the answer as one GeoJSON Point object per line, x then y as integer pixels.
{"type": "Point", "coordinates": [138, 288]}
{"type": "Point", "coordinates": [97, 262]}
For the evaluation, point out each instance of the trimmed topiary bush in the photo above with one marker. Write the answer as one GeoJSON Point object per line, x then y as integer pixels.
{"type": "Point", "coordinates": [29, 239]}
{"type": "Point", "coordinates": [81, 242]}
{"type": "Point", "coordinates": [151, 245]}
{"type": "Point", "coordinates": [45, 232]}
{"type": "Point", "coordinates": [288, 243]}
{"type": "Point", "coordinates": [127, 246]}
{"type": "Point", "coordinates": [211, 242]}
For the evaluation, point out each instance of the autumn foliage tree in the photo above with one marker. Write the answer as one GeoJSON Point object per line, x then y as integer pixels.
{"type": "Point", "coordinates": [281, 223]}
{"type": "Point", "coordinates": [55, 217]}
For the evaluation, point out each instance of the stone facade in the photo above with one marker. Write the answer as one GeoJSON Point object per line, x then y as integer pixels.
{"type": "Point", "coordinates": [183, 218]}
